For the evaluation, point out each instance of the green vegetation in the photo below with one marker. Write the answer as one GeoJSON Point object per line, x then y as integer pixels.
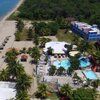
{"type": "Point", "coordinates": [45, 29]}
{"type": "Point", "coordinates": [66, 90]}
{"type": "Point", "coordinates": [49, 9]}
{"type": "Point", "coordinates": [20, 27]}
{"type": "Point", "coordinates": [34, 53]}
{"type": "Point", "coordinates": [15, 73]}
{"type": "Point", "coordinates": [67, 37]}
{"type": "Point", "coordinates": [53, 96]}
{"type": "Point", "coordinates": [84, 94]}
{"type": "Point", "coordinates": [42, 92]}
{"type": "Point", "coordinates": [78, 94]}
{"type": "Point", "coordinates": [52, 70]}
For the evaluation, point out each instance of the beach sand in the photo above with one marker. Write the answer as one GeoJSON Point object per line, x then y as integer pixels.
{"type": "Point", "coordinates": [7, 28]}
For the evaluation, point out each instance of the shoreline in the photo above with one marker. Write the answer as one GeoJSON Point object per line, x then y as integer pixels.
{"type": "Point", "coordinates": [12, 11]}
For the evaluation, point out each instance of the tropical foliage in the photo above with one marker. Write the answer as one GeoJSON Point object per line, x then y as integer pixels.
{"type": "Point", "coordinates": [84, 94]}
{"type": "Point", "coordinates": [4, 75]}
{"type": "Point", "coordinates": [42, 92]}
{"type": "Point", "coordinates": [52, 70]}
{"type": "Point", "coordinates": [23, 82]}
{"type": "Point", "coordinates": [49, 9]}
{"type": "Point", "coordinates": [43, 41]}
{"type": "Point", "coordinates": [44, 29]}
{"type": "Point", "coordinates": [66, 90]}
{"type": "Point", "coordinates": [35, 53]}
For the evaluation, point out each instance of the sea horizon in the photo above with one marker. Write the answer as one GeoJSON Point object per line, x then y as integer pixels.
{"type": "Point", "coordinates": [6, 6]}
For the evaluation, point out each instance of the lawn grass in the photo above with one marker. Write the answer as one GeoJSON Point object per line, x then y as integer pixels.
{"type": "Point", "coordinates": [67, 37]}
{"type": "Point", "coordinates": [24, 35]}
{"type": "Point", "coordinates": [54, 96]}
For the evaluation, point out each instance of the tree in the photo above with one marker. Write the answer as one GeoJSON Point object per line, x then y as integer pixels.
{"type": "Point", "coordinates": [4, 75]}
{"type": "Point", "coordinates": [40, 28]}
{"type": "Point", "coordinates": [84, 94]}
{"type": "Point", "coordinates": [42, 92]}
{"type": "Point", "coordinates": [74, 63]}
{"type": "Point", "coordinates": [15, 69]}
{"type": "Point", "coordinates": [52, 70]}
{"type": "Point", "coordinates": [97, 56]}
{"type": "Point", "coordinates": [66, 90]}
{"type": "Point", "coordinates": [20, 25]}
{"type": "Point", "coordinates": [36, 39]}
{"type": "Point", "coordinates": [52, 28]}
{"type": "Point", "coordinates": [30, 33]}
{"type": "Point", "coordinates": [23, 82]}
{"type": "Point", "coordinates": [17, 36]}
{"type": "Point", "coordinates": [22, 95]}
{"type": "Point", "coordinates": [35, 53]}
{"type": "Point", "coordinates": [62, 22]}
{"type": "Point", "coordinates": [50, 51]}
{"type": "Point", "coordinates": [23, 50]}
{"type": "Point", "coordinates": [60, 70]}
{"type": "Point", "coordinates": [11, 55]}
{"type": "Point", "coordinates": [43, 41]}
{"type": "Point", "coordinates": [83, 46]}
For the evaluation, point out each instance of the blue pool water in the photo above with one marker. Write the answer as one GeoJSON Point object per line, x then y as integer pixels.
{"type": "Point", "coordinates": [84, 62]}
{"type": "Point", "coordinates": [6, 6]}
{"type": "Point", "coordinates": [90, 75]}
{"type": "Point", "coordinates": [63, 63]}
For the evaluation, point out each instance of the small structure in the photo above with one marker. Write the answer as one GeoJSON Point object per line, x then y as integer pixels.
{"type": "Point", "coordinates": [24, 57]}
{"type": "Point", "coordinates": [88, 32]}
{"type": "Point", "coordinates": [7, 90]}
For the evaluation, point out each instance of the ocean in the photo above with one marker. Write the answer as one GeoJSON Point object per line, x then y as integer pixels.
{"type": "Point", "coordinates": [6, 6]}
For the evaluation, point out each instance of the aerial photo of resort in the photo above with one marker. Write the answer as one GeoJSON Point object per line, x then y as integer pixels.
{"type": "Point", "coordinates": [49, 49]}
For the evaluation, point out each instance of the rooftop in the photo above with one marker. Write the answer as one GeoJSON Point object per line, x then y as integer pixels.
{"type": "Point", "coordinates": [86, 27]}
{"type": "Point", "coordinates": [7, 90]}
{"type": "Point", "coordinates": [58, 47]}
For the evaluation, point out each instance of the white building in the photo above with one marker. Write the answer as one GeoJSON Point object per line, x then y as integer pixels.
{"type": "Point", "coordinates": [58, 47]}
{"type": "Point", "coordinates": [7, 90]}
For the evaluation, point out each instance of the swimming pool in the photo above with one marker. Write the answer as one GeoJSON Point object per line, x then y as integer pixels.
{"type": "Point", "coordinates": [62, 63]}
{"type": "Point", "coordinates": [84, 62]}
{"type": "Point", "coordinates": [90, 75]}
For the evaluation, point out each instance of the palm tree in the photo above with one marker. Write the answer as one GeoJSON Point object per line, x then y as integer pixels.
{"type": "Point", "coordinates": [50, 51]}
{"type": "Point", "coordinates": [20, 25]}
{"type": "Point", "coordinates": [11, 55]}
{"type": "Point", "coordinates": [60, 70]}
{"type": "Point", "coordinates": [97, 56]}
{"type": "Point", "coordinates": [52, 70]}
{"type": "Point", "coordinates": [83, 46]}
{"type": "Point", "coordinates": [66, 90]}
{"type": "Point", "coordinates": [22, 95]}
{"type": "Point", "coordinates": [23, 50]}
{"type": "Point", "coordinates": [74, 63]}
{"type": "Point", "coordinates": [42, 91]}
{"type": "Point", "coordinates": [30, 33]}
{"type": "Point", "coordinates": [35, 53]}
{"type": "Point", "coordinates": [15, 69]}
{"type": "Point", "coordinates": [4, 75]}
{"type": "Point", "coordinates": [23, 82]}
{"type": "Point", "coordinates": [43, 41]}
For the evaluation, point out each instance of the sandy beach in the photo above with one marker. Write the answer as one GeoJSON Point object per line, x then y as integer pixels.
{"type": "Point", "coordinates": [7, 28]}
{"type": "Point", "coordinates": [13, 10]}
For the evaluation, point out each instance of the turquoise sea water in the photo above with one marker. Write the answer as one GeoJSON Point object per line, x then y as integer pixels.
{"type": "Point", "coordinates": [6, 6]}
